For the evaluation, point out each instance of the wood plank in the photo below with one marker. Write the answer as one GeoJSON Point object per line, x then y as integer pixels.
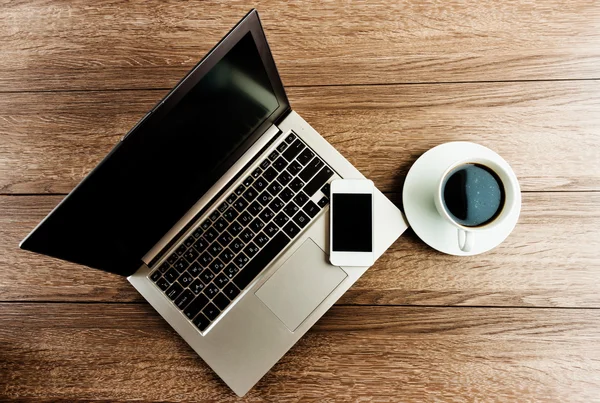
{"type": "Point", "coordinates": [49, 45]}
{"type": "Point", "coordinates": [548, 131]}
{"type": "Point", "coordinates": [550, 260]}
{"type": "Point", "coordinates": [127, 352]}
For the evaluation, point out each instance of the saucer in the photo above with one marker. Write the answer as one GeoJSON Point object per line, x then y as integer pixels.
{"type": "Point", "coordinates": [419, 207]}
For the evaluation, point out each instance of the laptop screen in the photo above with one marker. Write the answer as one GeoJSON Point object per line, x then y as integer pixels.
{"type": "Point", "coordinates": [159, 171]}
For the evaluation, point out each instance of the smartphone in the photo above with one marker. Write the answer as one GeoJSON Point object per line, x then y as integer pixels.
{"type": "Point", "coordinates": [351, 223]}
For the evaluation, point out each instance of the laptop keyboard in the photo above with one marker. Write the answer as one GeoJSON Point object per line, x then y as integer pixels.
{"type": "Point", "coordinates": [245, 232]}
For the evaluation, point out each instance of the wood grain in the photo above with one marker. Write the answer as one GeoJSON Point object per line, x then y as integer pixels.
{"type": "Point", "coordinates": [122, 352]}
{"type": "Point", "coordinates": [550, 260]}
{"type": "Point", "coordinates": [56, 45]}
{"type": "Point", "coordinates": [548, 131]}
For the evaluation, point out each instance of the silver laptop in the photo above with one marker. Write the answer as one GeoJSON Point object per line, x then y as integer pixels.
{"type": "Point", "coordinates": [215, 208]}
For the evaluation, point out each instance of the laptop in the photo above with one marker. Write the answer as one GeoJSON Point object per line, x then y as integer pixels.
{"type": "Point", "coordinates": [215, 207]}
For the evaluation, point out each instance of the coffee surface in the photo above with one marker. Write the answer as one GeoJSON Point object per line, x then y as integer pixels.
{"type": "Point", "coordinates": [473, 195]}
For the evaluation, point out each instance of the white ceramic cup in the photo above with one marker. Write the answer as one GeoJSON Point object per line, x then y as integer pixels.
{"type": "Point", "coordinates": [466, 235]}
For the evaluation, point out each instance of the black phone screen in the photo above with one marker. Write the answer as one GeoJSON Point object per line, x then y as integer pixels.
{"type": "Point", "coordinates": [352, 222]}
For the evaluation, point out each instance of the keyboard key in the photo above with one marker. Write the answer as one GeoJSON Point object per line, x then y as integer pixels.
{"type": "Point", "coordinates": [215, 248]}
{"type": "Point", "coordinates": [239, 190]}
{"type": "Point", "coordinates": [286, 194]}
{"type": "Point", "coordinates": [301, 198]}
{"type": "Point", "coordinates": [244, 219]}
{"type": "Point", "coordinates": [273, 156]}
{"type": "Point", "coordinates": [174, 291]}
{"type": "Point", "coordinates": [296, 185]}
{"type": "Point", "coordinates": [214, 215]}
{"type": "Point", "coordinates": [197, 286]}
{"type": "Point", "coordinates": [231, 214]}
{"type": "Point", "coordinates": [195, 269]}
{"type": "Point", "coordinates": [189, 241]}
{"type": "Point", "coordinates": [221, 280]}
{"type": "Point", "coordinates": [291, 229]}
{"type": "Point", "coordinates": [281, 147]}
{"type": "Point", "coordinates": [274, 188]}
{"type": "Point", "coordinates": [211, 234]}
{"type": "Point", "coordinates": [294, 149]}
{"type": "Point", "coordinates": [325, 189]}
{"type": "Point", "coordinates": [260, 184]}
{"type": "Point", "coordinates": [181, 265]}
{"type": "Point", "coordinates": [301, 219]}
{"type": "Point", "coordinates": [311, 169]}
{"type": "Point", "coordinates": [305, 156]}
{"type": "Point", "coordinates": [222, 207]}
{"type": "Point", "coordinates": [216, 266]}
{"type": "Point", "coordinates": [162, 283]}
{"type": "Point", "coordinates": [205, 259]}
{"type": "Point", "coordinates": [226, 255]}
{"type": "Point", "coordinates": [256, 225]}
{"type": "Point", "coordinates": [231, 291]}
{"type": "Point", "coordinates": [290, 138]}
{"type": "Point", "coordinates": [231, 271]}
{"type": "Point", "coordinates": [155, 276]}
{"type": "Point", "coordinates": [284, 178]}
{"type": "Point", "coordinates": [247, 235]}
{"type": "Point", "coordinates": [197, 233]}
{"type": "Point", "coordinates": [201, 322]}
{"type": "Point", "coordinates": [265, 198]}
{"type": "Point", "coordinates": [205, 225]}
{"type": "Point", "coordinates": [266, 214]}
{"type": "Point", "coordinates": [291, 209]}
{"type": "Point", "coordinates": [184, 299]}
{"type": "Point", "coordinates": [185, 279]}
{"type": "Point", "coordinates": [221, 301]}
{"type": "Point", "coordinates": [231, 198]}
{"type": "Point", "coordinates": [281, 219]}
{"type": "Point", "coordinates": [323, 202]}
{"type": "Point", "coordinates": [220, 224]}
{"type": "Point", "coordinates": [250, 194]}
{"type": "Point", "coordinates": [173, 258]}
{"type": "Point", "coordinates": [211, 311]}
{"type": "Point", "coordinates": [255, 208]}
{"type": "Point", "coordinates": [181, 250]}
{"type": "Point", "coordinates": [201, 244]}
{"type": "Point", "coordinates": [280, 164]}
{"type": "Point", "coordinates": [211, 290]}
{"type": "Point", "coordinates": [171, 275]}
{"type": "Point", "coordinates": [250, 250]}
{"type": "Point", "coordinates": [276, 205]}
{"type": "Point", "coordinates": [256, 173]}
{"type": "Point", "coordinates": [195, 307]}
{"type": "Point", "coordinates": [265, 164]}
{"type": "Point", "coordinates": [164, 267]}
{"type": "Point", "coordinates": [311, 209]}
{"type": "Point", "coordinates": [235, 228]}
{"type": "Point", "coordinates": [237, 245]}
{"type": "Point", "coordinates": [207, 276]}
{"type": "Point", "coordinates": [294, 167]}
{"type": "Point", "coordinates": [240, 260]}
{"type": "Point", "coordinates": [191, 255]}
{"type": "Point", "coordinates": [240, 204]}
{"type": "Point", "coordinates": [248, 181]}
{"type": "Point", "coordinates": [225, 238]}
{"type": "Point", "coordinates": [261, 260]}
{"type": "Point", "coordinates": [318, 181]}
{"type": "Point", "coordinates": [261, 239]}
{"type": "Point", "coordinates": [271, 229]}
{"type": "Point", "coordinates": [270, 174]}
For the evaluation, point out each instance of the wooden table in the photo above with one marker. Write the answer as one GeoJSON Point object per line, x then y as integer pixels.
{"type": "Point", "coordinates": [383, 82]}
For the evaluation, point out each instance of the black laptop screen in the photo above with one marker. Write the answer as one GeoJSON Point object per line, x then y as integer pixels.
{"type": "Point", "coordinates": [159, 171]}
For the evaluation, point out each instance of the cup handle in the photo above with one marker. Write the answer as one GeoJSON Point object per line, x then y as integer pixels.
{"type": "Point", "coordinates": [466, 240]}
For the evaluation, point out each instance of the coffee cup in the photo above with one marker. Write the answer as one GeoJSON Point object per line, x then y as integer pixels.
{"type": "Point", "coordinates": [475, 195]}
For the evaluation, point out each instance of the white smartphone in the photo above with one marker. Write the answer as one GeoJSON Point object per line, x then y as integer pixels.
{"type": "Point", "coordinates": [351, 223]}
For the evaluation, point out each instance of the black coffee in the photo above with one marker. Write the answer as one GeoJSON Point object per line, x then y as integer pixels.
{"type": "Point", "coordinates": [473, 195]}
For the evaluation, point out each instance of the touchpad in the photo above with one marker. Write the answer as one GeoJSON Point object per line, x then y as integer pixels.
{"type": "Point", "coordinates": [300, 284]}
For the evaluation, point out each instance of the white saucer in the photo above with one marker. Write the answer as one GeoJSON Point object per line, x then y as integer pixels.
{"type": "Point", "coordinates": [419, 207]}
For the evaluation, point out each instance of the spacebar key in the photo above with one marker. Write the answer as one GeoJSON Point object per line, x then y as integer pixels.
{"type": "Point", "coordinates": [260, 261]}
